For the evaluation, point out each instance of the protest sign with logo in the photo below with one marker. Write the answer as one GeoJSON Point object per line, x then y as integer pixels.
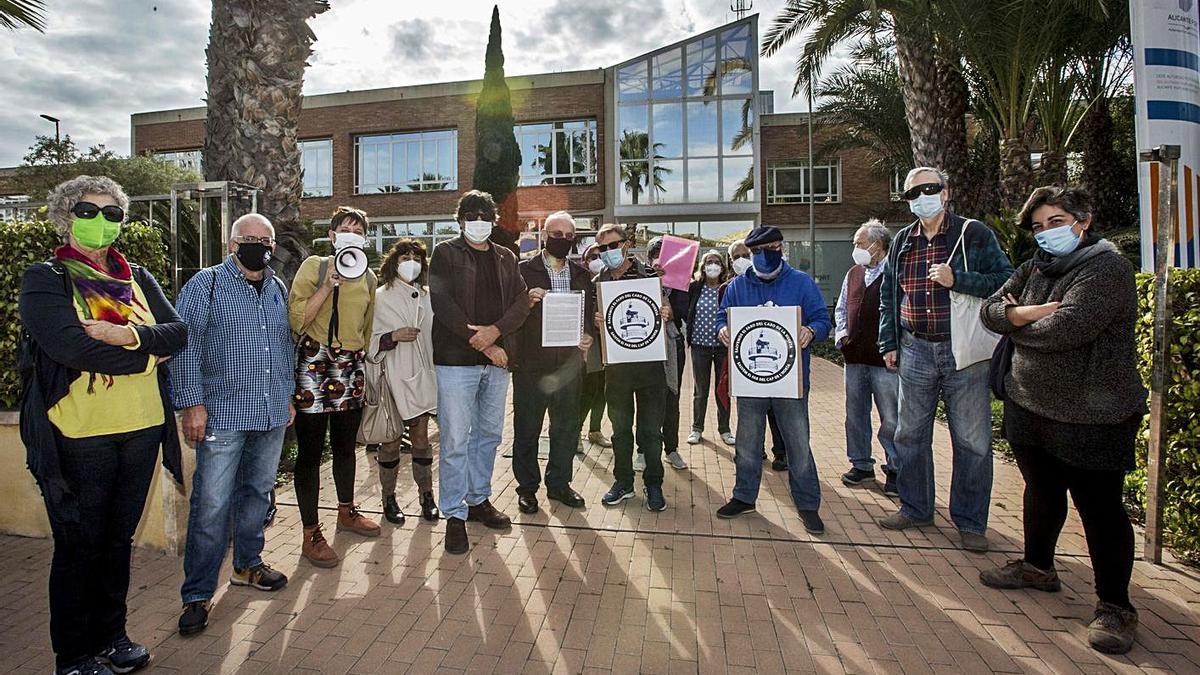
{"type": "Point", "coordinates": [765, 360]}
{"type": "Point", "coordinates": [631, 329]}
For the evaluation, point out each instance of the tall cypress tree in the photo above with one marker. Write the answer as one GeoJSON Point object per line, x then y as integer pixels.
{"type": "Point", "coordinates": [497, 155]}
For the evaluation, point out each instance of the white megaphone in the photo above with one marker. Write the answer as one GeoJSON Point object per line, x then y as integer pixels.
{"type": "Point", "coordinates": [349, 256]}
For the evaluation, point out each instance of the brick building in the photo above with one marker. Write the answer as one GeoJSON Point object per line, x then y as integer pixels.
{"type": "Point", "coordinates": [679, 140]}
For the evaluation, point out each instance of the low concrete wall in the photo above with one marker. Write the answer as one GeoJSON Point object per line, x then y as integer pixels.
{"type": "Point", "coordinates": [164, 519]}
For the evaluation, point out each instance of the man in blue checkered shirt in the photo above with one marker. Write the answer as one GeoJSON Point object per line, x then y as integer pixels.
{"type": "Point", "coordinates": [234, 385]}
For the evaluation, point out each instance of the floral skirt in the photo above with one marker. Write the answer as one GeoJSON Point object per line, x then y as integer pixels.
{"type": "Point", "coordinates": [327, 379]}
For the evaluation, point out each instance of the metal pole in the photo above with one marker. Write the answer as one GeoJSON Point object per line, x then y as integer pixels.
{"type": "Point", "coordinates": [1167, 157]}
{"type": "Point", "coordinates": [812, 198]}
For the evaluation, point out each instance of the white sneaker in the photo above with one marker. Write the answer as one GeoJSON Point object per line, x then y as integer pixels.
{"type": "Point", "coordinates": [639, 462]}
{"type": "Point", "coordinates": [728, 438]}
{"type": "Point", "coordinates": [676, 460]}
{"type": "Point", "coordinates": [694, 438]}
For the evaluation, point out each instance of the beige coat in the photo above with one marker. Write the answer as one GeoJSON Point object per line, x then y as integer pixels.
{"type": "Point", "coordinates": [407, 368]}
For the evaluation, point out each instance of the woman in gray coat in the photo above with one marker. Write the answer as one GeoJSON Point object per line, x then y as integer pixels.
{"type": "Point", "coordinates": [1074, 402]}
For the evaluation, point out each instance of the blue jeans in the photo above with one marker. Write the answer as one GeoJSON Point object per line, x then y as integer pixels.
{"type": "Point", "coordinates": [235, 472]}
{"type": "Point", "coordinates": [470, 423]}
{"type": "Point", "coordinates": [863, 383]}
{"type": "Point", "coordinates": [927, 370]}
{"type": "Point", "coordinates": [792, 416]}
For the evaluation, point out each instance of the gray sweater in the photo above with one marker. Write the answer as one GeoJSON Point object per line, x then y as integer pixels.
{"type": "Point", "coordinates": [1079, 364]}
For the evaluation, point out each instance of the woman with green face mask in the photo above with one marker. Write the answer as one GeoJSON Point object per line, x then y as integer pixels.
{"type": "Point", "coordinates": [95, 412]}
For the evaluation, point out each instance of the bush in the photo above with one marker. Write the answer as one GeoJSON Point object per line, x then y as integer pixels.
{"type": "Point", "coordinates": [34, 241]}
{"type": "Point", "coordinates": [1181, 425]}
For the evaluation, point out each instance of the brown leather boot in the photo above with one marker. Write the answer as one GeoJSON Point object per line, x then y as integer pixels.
{"type": "Point", "coordinates": [487, 514]}
{"type": "Point", "coordinates": [350, 520]}
{"type": "Point", "coordinates": [316, 550]}
{"type": "Point", "coordinates": [456, 536]}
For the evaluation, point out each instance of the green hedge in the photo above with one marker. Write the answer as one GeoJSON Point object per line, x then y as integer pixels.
{"type": "Point", "coordinates": [1181, 518]}
{"type": "Point", "coordinates": [26, 243]}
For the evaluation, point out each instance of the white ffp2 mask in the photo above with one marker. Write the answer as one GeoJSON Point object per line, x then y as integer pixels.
{"type": "Point", "coordinates": [477, 231]}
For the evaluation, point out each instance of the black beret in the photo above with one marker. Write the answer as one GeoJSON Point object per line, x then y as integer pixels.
{"type": "Point", "coordinates": [763, 234]}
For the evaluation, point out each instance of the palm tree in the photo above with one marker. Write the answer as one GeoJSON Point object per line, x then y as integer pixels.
{"type": "Point", "coordinates": [637, 176]}
{"type": "Point", "coordinates": [257, 53]}
{"type": "Point", "coordinates": [16, 14]}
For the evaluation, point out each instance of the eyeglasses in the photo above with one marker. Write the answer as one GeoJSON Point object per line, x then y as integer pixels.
{"type": "Point", "coordinates": [88, 210]}
{"type": "Point", "coordinates": [741, 255]}
{"type": "Point", "coordinates": [611, 245]}
{"type": "Point", "coordinates": [468, 216]}
{"type": "Point", "coordinates": [247, 239]}
{"type": "Point", "coordinates": [773, 246]}
{"type": "Point", "coordinates": [922, 189]}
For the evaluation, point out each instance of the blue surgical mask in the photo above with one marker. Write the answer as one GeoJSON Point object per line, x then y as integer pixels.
{"type": "Point", "coordinates": [926, 206]}
{"type": "Point", "coordinates": [1059, 241]}
{"type": "Point", "coordinates": [766, 260]}
{"type": "Point", "coordinates": [613, 258]}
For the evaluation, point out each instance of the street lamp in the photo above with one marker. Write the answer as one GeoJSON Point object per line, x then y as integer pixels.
{"type": "Point", "coordinates": [56, 121]}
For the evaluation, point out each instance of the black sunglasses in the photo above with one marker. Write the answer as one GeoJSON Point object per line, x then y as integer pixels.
{"type": "Point", "coordinates": [88, 210]}
{"type": "Point", "coordinates": [611, 245]}
{"type": "Point", "coordinates": [922, 189]}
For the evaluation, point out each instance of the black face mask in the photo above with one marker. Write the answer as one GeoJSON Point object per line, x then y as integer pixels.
{"type": "Point", "coordinates": [559, 248]}
{"type": "Point", "coordinates": [253, 257]}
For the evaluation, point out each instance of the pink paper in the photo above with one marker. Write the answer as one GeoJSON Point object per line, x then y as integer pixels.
{"type": "Point", "coordinates": [678, 260]}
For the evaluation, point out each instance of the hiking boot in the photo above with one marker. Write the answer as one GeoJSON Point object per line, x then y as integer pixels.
{"type": "Point", "coordinates": [88, 666]}
{"type": "Point", "coordinates": [316, 550]}
{"type": "Point", "coordinates": [974, 542]}
{"type": "Point", "coordinates": [456, 536]}
{"type": "Point", "coordinates": [124, 655]}
{"type": "Point", "coordinates": [1020, 574]}
{"type": "Point", "coordinates": [639, 462]}
{"type": "Point", "coordinates": [899, 521]}
{"type": "Point", "coordinates": [856, 477]}
{"type": "Point", "coordinates": [812, 522]}
{"type": "Point", "coordinates": [566, 496]}
{"type": "Point", "coordinates": [779, 463]}
{"type": "Point", "coordinates": [654, 498]}
{"type": "Point", "coordinates": [1113, 628]}
{"type": "Point", "coordinates": [485, 513]}
{"type": "Point", "coordinates": [429, 509]}
{"type": "Point", "coordinates": [616, 494]}
{"type": "Point", "coordinates": [599, 439]}
{"type": "Point", "coordinates": [391, 510]}
{"type": "Point", "coordinates": [728, 438]}
{"type": "Point", "coordinates": [735, 508]}
{"type": "Point", "coordinates": [351, 520]}
{"type": "Point", "coordinates": [693, 438]}
{"type": "Point", "coordinates": [527, 503]}
{"type": "Point", "coordinates": [890, 488]}
{"type": "Point", "coordinates": [194, 618]}
{"type": "Point", "coordinates": [676, 461]}
{"type": "Point", "coordinates": [261, 576]}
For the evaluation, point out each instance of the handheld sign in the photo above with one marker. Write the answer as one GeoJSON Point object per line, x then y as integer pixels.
{"type": "Point", "coordinates": [765, 360]}
{"type": "Point", "coordinates": [678, 259]}
{"type": "Point", "coordinates": [631, 330]}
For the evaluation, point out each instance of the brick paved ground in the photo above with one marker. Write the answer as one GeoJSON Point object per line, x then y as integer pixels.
{"type": "Point", "coordinates": [630, 591]}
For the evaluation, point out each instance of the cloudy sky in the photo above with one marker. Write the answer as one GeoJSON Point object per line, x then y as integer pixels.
{"type": "Point", "coordinates": [101, 60]}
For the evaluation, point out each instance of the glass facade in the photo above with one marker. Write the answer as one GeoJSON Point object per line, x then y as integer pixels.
{"type": "Point", "coordinates": [557, 153]}
{"type": "Point", "coordinates": [793, 183]}
{"type": "Point", "coordinates": [411, 162]}
{"type": "Point", "coordinates": [718, 234]}
{"type": "Point", "coordinates": [686, 121]}
{"type": "Point", "coordinates": [316, 159]}
{"type": "Point", "coordinates": [184, 159]}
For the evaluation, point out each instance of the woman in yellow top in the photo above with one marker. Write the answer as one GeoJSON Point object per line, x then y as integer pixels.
{"type": "Point", "coordinates": [332, 316]}
{"type": "Point", "coordinates": [94, 413]}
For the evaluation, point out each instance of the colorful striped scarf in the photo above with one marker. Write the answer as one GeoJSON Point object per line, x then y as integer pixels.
{"type": "Point", "coordinates": [105, 295]}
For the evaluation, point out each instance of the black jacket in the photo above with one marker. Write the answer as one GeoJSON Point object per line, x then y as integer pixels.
{"type": "Point", "coordinates": [65, 352]}
{"type": "Point", "coordinates": [528, 353]}
{"type": "Point", "coordinates": [452, 285]}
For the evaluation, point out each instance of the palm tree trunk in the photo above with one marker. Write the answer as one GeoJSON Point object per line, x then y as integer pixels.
{"type": "Point", "coordinates": [1053, 169]}
{"type": "Point", "coordinates": [1015, 172]}
{"type": "Point", "coordinates": [257, 53]}
{"type": "Point", "coordinates": [1100, 162]}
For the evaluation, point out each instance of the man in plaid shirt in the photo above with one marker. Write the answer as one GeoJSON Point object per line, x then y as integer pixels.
{"type": "Point", "coordinates": [924, 265]}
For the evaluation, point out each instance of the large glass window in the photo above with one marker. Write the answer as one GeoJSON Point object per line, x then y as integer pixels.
{"type": "Point", "coordinates": [793, 183]}
{"type": "Point", "coordinates": [184, 159]}
{"type": "Point", "coordinates": [316, 159]}
{"type": "Point", "coordinates": [557, 153]}
{"type": "Point", "coordinates": [688, 109]}
{"type": "Point", "coordinates": [413, 162]}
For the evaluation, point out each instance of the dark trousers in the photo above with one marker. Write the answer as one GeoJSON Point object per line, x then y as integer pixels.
{"type": "Point", "coordinates": [342, 426]}
{"type": "Point", "coordinates": [778, 448]}
{"type": "Point", "coordinates": [637, 389]}
{"type": "Point", "coordinates": [591, 400]}
{"type": "Point", "coordinates": [670, 428]}
{"type": "Point", "coordinates": [535, 394]}
{"type": "Point", "coordinates": [1097, 497]}
{"type": "Point", "coordinates": [705, 362]}
{"type": "Point", "coordinates": [89, 574]}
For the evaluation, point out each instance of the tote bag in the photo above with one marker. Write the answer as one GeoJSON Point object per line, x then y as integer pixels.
{"type": "Point", "coordinates": [381, 422]}
{"type": "Point", "coordinates": [970, 341]}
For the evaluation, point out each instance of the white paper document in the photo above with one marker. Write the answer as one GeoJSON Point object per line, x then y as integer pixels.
{"type": "Point", "coordinates": [562, 319]}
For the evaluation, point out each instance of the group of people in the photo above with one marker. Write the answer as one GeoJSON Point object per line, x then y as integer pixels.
{"type": "Point", "coordinates": [241, 356]}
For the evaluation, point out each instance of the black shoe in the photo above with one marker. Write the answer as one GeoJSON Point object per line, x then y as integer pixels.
{"type": "Point", "coordinates": [856, 477]}
{"type": "Point", "coordinates": [124, 656]}
{"type": "Point", "coordinates": [779, 463]}
{"type": "Point", "coordinates": [566, 496]}
{"type": "Point", "coordinates": [889, 486]}
{"type": "Point", "coordinates": [429, 509]}
{"type": "Point", "coordinates": [527, 504]}
{"type": "Point", "coordinates": [616, 494]}
{"type": "Point", "coordinates": [734, 508]}
{"type": "Point", "coordinates": [456, 536]}
{"type": "Point", "coordinates": [391, 510]}
{"type": "Point", "coordinates": [485, 513]}
{"type": "Point", "coordinates": [261, 576]}
{"type": "Point", "coordinates": [88, 666]}
{"type": "Point", "coordinates": [194, 618]}
{"type": "Point", "coordinates": [655, 501]}
{"type": "Point", "coordinates": [812, 522]}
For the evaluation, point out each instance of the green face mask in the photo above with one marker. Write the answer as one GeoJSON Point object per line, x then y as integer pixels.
{"type": "Point", "coordinates": [95, 233]}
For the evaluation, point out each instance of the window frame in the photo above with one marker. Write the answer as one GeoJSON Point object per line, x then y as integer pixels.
{"type": "Point", "coordinates": [833, 196]}
{"type": "Point", "coordinates": [558, 132]}
{"type": "Point", "coordinates": [304, 194]}
{"type": "Point", "coordinates": [398, 138]}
